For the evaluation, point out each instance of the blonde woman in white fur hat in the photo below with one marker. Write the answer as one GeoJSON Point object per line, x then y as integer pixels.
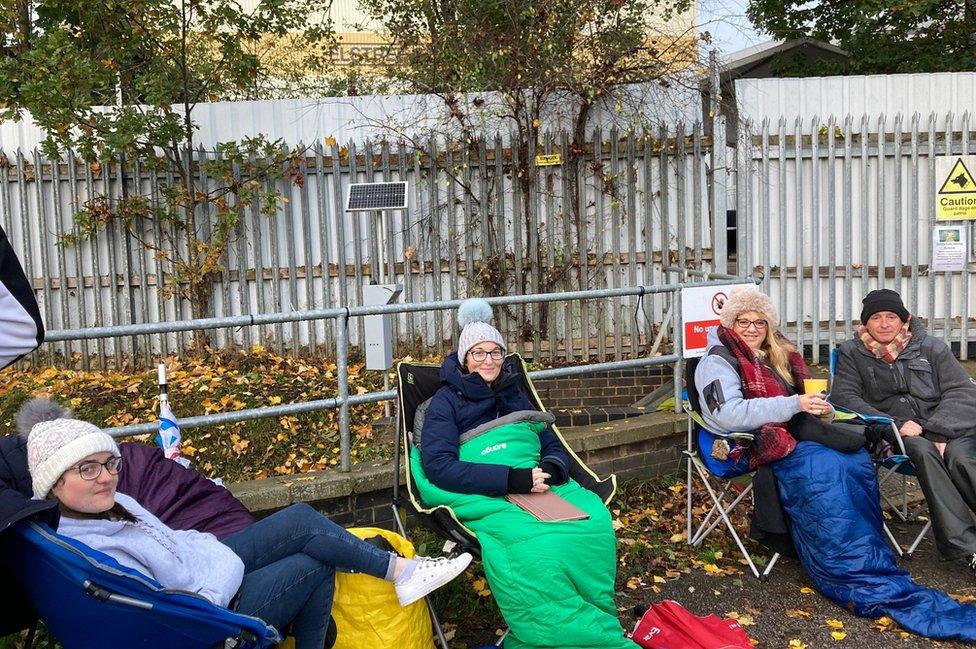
{"type": "Point", "coordinates": [280, 569]}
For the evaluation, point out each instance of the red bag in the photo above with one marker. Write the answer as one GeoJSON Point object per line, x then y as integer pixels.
{"type": "Point", "coordinates": [669, 625]}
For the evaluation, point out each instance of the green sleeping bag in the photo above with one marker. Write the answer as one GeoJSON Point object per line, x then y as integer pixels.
{"type": "Point", "coordinates": [553, 581]}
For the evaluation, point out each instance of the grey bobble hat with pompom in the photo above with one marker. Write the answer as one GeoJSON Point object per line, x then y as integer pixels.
{"type": "Point", "coordinates": [742, 299]}
{"type": "Point", "coordinates": [474, 317]}
{"type": "Point", "coordinates": [56, 442]}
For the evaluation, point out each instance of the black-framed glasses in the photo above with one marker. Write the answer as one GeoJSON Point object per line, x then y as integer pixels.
{"type": "Point", "coordinates": [90, 469]}
{"type": "Point", "coordinates": [744, 324]}
{"type": "Point", "coordinates": [479, 355]}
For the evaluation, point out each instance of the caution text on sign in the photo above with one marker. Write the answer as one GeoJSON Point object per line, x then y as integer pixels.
{"type": "Point", "coordinates": [955, 197]}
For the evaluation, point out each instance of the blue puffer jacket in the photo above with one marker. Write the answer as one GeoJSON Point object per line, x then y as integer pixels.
{"type": "Point", "coordinates": [464, 402]}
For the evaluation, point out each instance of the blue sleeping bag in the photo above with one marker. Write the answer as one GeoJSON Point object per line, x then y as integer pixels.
{"type": "Point", "coordinates": [833, 504]}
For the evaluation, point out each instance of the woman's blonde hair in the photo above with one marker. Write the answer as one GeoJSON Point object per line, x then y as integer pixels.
{"type": "Point", "coordinates": [778, 351]}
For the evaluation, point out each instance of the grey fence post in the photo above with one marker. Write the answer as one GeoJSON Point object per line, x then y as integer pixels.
{"type": "Point", "coordinates": [342, 333]}
{"type": "Point", "coordinates": [678, 338]}
{"type": "Point", "coordinates": [720, 175]}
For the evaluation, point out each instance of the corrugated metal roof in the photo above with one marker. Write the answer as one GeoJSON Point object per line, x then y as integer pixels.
{"type": "Point", "coordinates": [871, 95]}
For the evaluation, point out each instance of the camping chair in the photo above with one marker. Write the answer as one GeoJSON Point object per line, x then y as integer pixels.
{"type": "Point", "coordinates": [897, 464]}
{"type": "Point", "coordinates": [719, 477]}
{"type": "Point", "coordinates": [416, 383]}
{"type": "Point", "coordinates": [87, 599]}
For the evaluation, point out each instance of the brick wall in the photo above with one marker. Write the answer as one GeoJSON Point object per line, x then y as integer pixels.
{"type": "Point", "coordinates": [613, 388]}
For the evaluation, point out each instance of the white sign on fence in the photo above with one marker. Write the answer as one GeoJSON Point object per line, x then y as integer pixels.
{"type": "Point", "coordinates": [700, 309]}
{"type": "Point", "coordinates": [949, 248]}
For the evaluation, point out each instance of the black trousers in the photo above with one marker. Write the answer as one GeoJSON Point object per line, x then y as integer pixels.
{"type": "Point", "coordinates": [949, 485]}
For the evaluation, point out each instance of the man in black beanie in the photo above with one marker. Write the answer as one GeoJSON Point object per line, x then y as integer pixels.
{"type": "Point", "coordinates": [894, 368]}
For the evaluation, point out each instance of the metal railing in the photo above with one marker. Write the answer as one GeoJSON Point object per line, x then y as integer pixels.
{"type": "Point", "coordinates": [343, 400]}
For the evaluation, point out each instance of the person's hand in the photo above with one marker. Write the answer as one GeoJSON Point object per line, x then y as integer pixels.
{"type": "Point", "coordinates": [815, 404]}
{"type": "Point", "coordinates": [539, 478]}
{"type": "Point", "coordinates": [910, 429]}
{"type": "Point", "coordinates": [940, 447]}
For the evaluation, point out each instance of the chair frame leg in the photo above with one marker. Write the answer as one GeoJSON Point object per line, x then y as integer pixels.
{"type": "Point", "coordinates": [723, 513]}
{"type": "Point", "coordinates": [769, 567]}
{"type": "Point", "coordinates": [918, 539]}
{"type": "Point", "coordinates": [438, 629]}
{"type": "Point", "coordinates": [891, 539]}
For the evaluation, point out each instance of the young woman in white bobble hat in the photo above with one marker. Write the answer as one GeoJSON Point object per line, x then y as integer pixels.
{"type": "Point", "coordinates": [280, 569]}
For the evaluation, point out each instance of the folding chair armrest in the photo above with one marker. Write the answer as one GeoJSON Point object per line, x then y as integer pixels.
{"type": "Point", "coordinates": [742, 436]}
{"type": "Point", "coordinates": [846, 413]}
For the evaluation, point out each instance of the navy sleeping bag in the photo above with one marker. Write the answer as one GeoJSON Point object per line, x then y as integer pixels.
{"type": "Point", "coordinates": [833, 504]}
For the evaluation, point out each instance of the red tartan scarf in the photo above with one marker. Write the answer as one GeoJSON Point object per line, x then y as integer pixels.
{"type": "Point", "coordinates": [772, 441]}
{"type": "Point", "coordinates": [887, 352]}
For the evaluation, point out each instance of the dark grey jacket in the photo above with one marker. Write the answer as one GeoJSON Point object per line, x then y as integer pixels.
{"type": "Point", "coordinates": [925, 384]}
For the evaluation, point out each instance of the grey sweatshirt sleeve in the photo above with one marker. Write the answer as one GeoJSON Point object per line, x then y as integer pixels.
{"type": "Point", "coordinates": [723, 407]}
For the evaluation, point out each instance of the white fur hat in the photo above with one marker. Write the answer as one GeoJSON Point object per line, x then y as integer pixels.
{"type": "Point", "coordinates": [474, 315]}
{"type": "Point", "coordinates": [742, 299]}
{"type": "Point", "coordinates": [54, 446]}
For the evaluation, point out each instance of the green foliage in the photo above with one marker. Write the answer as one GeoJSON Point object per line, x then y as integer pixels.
{"type": "Point", "coordinates": [882, 36]}
{"type": "Point", "coordinates": [142, 58]}
{"type": "Point", "coordinates": [527, 50]}
{"type": "Point", "coordinates": [116, 78]}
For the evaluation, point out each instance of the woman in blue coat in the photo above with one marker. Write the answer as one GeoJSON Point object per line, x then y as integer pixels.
{"type": "Point", "coordinates": [553, 581]}
{"type": "Point", "coordinates": [481, 385]}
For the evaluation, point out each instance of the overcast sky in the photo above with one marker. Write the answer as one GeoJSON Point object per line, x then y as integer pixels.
{"type": "Point", "coordinates": [726, 21]}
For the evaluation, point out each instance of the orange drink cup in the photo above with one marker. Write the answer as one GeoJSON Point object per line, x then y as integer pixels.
{"type": "Point", "coordinates": [814, 386]}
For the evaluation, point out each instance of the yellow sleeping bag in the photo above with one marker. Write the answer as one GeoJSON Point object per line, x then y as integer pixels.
{"type": "Point", "coordinates": [367, 612]}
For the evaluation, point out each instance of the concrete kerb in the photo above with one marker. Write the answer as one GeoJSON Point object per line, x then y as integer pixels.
{"type": "Point", "coordinates": [270, 494]}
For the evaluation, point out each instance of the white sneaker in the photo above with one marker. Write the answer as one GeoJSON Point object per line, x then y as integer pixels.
{"type": "Point", "coordinates": [429, 575]}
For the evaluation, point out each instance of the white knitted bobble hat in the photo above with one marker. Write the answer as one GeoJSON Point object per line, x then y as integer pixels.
{"type": "Point", "coordinates": [54, 446]}
{"type": "Point", "coordinates": [474, 316]}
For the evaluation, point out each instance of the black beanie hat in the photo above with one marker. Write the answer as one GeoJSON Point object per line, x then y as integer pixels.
{"type": "Point", "coordinates": [883, 299]}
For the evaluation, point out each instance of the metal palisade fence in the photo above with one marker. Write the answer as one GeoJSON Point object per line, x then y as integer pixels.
{"type": "Point", "coordinates": [630, 205]}
{"type": "Point", "coordinates": [830, 209]}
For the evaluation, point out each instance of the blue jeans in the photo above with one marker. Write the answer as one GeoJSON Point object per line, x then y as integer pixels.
{"type": "Point", "coordinates": [290, 560]}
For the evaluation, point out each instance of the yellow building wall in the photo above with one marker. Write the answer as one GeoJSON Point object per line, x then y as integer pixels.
{"type": "Point", "coordinates": [363, 47]}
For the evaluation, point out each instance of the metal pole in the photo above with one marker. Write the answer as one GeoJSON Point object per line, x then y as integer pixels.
{"type": "Point", "coordinates": [343, 398]}
{"type": "Point", "coordinates": [720, 176]}
{"type": "Point", "coordinates": [678, 349]}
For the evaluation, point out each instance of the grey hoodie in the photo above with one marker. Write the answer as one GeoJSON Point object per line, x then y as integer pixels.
{"type": "Point", "coordinates": [720, 392]}
{"type": "Point", "coordinates": [185, 560]}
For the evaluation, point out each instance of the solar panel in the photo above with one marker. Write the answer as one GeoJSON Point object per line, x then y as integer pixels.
{"type": "Point", "coordinates": [377, 196]}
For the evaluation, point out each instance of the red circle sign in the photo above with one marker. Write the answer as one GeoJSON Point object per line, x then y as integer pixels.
{"type": "Point", "coordinates": [718, 301]}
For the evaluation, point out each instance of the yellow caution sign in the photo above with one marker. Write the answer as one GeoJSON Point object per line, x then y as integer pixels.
{"type": "Point", "coordinates": [956, 196]}
{"type": "Point", "coordinates": [548, 160]}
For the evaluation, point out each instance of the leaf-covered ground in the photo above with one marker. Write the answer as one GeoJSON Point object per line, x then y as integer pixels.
{"type": "Point", "coordinates": [217, 382]}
